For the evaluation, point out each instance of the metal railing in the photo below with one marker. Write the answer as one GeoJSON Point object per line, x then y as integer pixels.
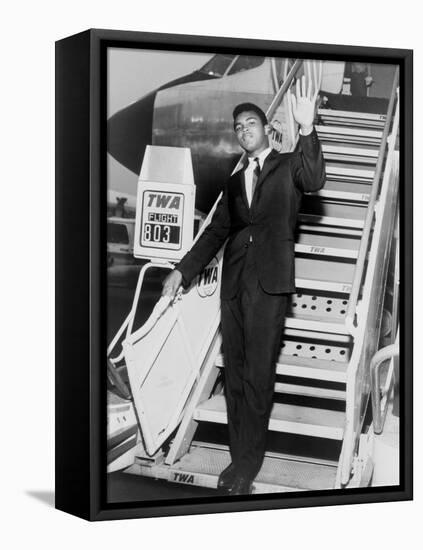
{"type": "Point", "coordinates": [350, 319]}
{"type": "Point", "coordinates": [157, 312]}
{"type": "Point", "coordinates": [358, 374]}
{"type": "Point", "coordinates": [380, 395]}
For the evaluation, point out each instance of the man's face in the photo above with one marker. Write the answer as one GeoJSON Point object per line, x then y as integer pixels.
{"type": "Point", "coordinates": [250, 132]}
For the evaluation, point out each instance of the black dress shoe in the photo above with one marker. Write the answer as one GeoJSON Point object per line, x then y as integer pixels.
{"type": "Point", "coordinates": [241, 486]}
{"type": "Point", "coordinates": [227, 477]}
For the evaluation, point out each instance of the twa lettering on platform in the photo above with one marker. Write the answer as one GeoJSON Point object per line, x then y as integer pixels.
{"type": "Point", "coordinates": [181, 477]}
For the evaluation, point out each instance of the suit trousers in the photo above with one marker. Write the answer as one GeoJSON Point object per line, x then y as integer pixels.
{"type": "Point", "coordinates": [252, 325]}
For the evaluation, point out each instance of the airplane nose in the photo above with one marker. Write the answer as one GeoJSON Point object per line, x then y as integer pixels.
{"type": "Point", "coordinates": [130, 130]}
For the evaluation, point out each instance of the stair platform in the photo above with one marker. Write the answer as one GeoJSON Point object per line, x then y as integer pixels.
{"type": "Point", "coordinates": [278, 474]}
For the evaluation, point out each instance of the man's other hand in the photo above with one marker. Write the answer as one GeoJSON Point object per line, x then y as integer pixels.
{"type": "Point", "coordinates": [172, 283]}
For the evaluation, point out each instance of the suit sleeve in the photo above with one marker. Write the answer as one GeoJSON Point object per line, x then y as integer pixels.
{"type": "Point", "coordinates": [209, 243]}
{"type": "Point", "coordinates": [308, 165]}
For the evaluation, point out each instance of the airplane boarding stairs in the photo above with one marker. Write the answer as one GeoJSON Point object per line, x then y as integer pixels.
{"type": "Point", "coordinates": [318, 421]}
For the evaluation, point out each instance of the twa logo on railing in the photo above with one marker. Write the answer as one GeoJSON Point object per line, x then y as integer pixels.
{"type": "Point", "coordinates": [208, 279]}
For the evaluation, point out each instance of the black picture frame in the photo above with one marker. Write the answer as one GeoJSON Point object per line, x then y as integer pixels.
{"type": "Point", "coordinates": [81, 136]}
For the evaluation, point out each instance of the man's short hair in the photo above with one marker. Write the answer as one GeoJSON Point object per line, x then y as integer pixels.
{"type": "Point", "coordinates": [242, 107]}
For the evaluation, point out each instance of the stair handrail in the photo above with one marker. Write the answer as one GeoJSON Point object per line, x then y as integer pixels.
{"type": "Point", "coordinates": [158, 310]}
{"type": "Point", "coordinates": [388, 352]}
{"type": "Point", "coordinates": [350, 317]}
{"type": "Point", "coordinates": [359, 344]}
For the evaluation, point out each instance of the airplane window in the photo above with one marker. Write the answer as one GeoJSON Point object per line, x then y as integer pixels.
{"type": "Point", "coordinates": [217, 65]}
{"type": "Point", "coordinates": [245, 62]}
{"type": "Point", "coordinates": [117, 233]}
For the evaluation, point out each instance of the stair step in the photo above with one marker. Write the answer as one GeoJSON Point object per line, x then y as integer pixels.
{"type": "Point", "coordinates": [312, 243]}
{"type": "Point", "coordinates": [313, 205]}
{"type": "Point", "coordinates": [341, 339]}
{"type": "Point", "coordinates": [332, 213]}
{"type": "Point", "coordinates": [309, 323]}
{"type": "Point", "coordinates": [324, 275]}
{"type": "Point", "coordinates": [310, 391]}
{"type": "Point", "coordinates": [356, 154]}
{"type": "Point", "coordinates": [284, 418]}
{"type": "Point", "coordinates": [318, 306]}
{"type": "Point", "coordinates": [331, 220]}
{"type": "Point", "coordinates": [347, 172]}
{"type": "Point", "coordinates": [349, 135]}
{"type": "Point", "coordinates": [325, 251]}
{"type": "Point", "coordinates": [352, 119]}
{"type": "Point", "coordinates": [347, 191]}
{"type": "Point", "coordinates": [321, 284]}
{"type": "Point", "coordinates": [331, 230]}
{"type": "Point", "coordinates": [316, 369]}
{"type": "Point", "coordinates": [306, 367]}
{"type": "Point", "coordinates": [272, 454]}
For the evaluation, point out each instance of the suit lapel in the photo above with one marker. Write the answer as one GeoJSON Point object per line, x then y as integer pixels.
{"type": "Point", "coordinates": [271, 162]}
{"type": "Point", "coordinates": [240, 175]}
{"type": "Point", "coordinates": [243, 189]}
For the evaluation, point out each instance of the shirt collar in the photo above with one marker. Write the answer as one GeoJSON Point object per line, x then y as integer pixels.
{"type": "Point", "coordinates": [262, 157]}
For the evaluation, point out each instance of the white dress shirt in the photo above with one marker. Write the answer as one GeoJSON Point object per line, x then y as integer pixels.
{"type": "Point", "coordinates": [248, 172]}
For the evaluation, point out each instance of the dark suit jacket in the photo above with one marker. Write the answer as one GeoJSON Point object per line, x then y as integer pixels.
{"type": "Point", "coordinates": [270, 220]}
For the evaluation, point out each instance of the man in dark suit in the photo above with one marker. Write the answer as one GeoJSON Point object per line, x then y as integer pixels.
{"type": "Point", "coordinates": [257, 214]}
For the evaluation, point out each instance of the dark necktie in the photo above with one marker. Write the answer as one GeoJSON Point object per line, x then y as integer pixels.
{"type": "Point", "coordinates": [256, 174]}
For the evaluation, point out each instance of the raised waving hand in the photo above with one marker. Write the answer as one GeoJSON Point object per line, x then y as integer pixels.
{"type": "Point", "coordinates": [303, 105]}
